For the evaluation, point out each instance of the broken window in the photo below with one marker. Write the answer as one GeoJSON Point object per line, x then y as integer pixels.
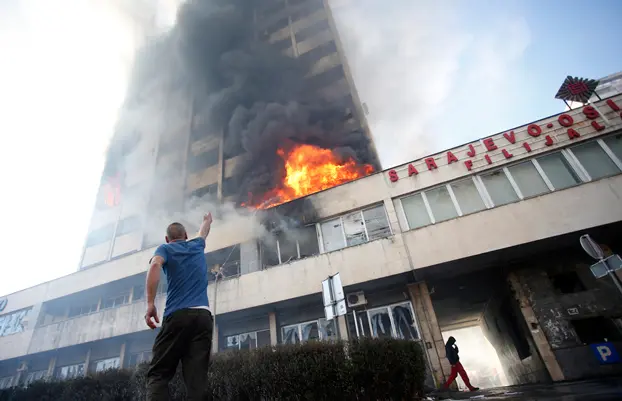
{"type": "Point", "coordinates": [70, 372]}
{"type": "Point", "coordinates": [224, 262]}
{"type": "Point", "coordinates": [355, 228]}
{"type": "Point", "coordinates": [251, 340]}
{"type": "Point", "coordinates": [7, 382]}
{"type": "Point", "coordinates": [107, 364]}
{"type": "Point", "coordinates": [395, 321]}
{"type": "Point", "coordinates": [567, 282]}
{"type": "Point", "coordinates": [12, 323]}
{"type": "Point", "coordinates": [290, 245]}
{"type": "Point", "coordinates": [202, 161]}
{"type": "Point", "coordinates": [314, 330]}
{"type": "Point", "coordinates": [32, 377]}
{"type": "Point", "coordinates": [358, 324]}
{"type": "Point", "coordinates": [596, 330]}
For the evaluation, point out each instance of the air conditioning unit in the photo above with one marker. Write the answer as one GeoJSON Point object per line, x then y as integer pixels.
{"type": "Point", "coordinates": [355, 299]}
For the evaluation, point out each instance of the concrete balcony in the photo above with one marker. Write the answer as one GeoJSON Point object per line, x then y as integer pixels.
{"type": "Point", "coordinates": [107, 323]}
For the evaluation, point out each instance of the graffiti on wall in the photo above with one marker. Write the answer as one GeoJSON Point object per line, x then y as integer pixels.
{"type": "Point", "coordinates": [12, 323]}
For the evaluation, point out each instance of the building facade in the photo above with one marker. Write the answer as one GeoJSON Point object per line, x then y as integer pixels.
{"type": "Point", "coordinates": [191, 162]}
{"type": "Point", "coordinates": [485, 234]}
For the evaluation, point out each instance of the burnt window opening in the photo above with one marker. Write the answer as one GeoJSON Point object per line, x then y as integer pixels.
{"type": "Point", "coordinates": [567, 282]}
{"type": "Point", "coordinates": [202, 161]}
{"type": "Point", "coordinates": [100, 235]}
{"type": "Point", "coordinates": [596, 330]}
{"type": "Point", "coordinates": [225, 262]}
{"type": "Point", "coordinates": [289, 246]}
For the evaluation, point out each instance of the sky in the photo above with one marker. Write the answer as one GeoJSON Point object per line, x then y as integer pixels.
{"type": "Point", "coordinates": [433, 74]}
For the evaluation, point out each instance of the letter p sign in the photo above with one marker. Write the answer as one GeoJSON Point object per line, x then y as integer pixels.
{"type": "Point", "coordinates": [605, 353]}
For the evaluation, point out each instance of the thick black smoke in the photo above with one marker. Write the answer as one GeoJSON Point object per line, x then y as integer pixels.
{"type": "Point", "coordinates": [257, 95]}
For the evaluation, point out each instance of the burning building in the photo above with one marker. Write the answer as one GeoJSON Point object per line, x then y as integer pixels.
{"type": "Point", "coordinates": [483, 236]}
{"type": "Point", "coordinates": [244, 102]}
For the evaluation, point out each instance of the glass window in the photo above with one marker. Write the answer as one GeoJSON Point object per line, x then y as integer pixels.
{"type": "Point", "coordinates": [328, 330]}
{"type": "Point", "coordinates": [380, 320]}
{"type": "Point", "coordinates": [441, 204]}
{"type": "Point", "coordinates": [376, 223]}
{"type": "Point", "coordinates": [70, 372]}
{"type": "Point", "coordinates": [107, 364]}
{"type": "Point", "coordinates": [404, 322]}
{"type": "Point", "coordinates": [291, 335]}
{"type": "Point", "coordinates": [528, 179]}
{"type": "Point", "coordinates": [139, 292]}
{"type": "Point", "coordinates": [354, 229]}
{"type": "Point", "coordinates": [558, 171]}
{"type": "Point", "coordinates": [35, 376]}
{"type": "Point", "coordinates": [468, 196]}
{"type": "Point", "coordinates": [12, 323]}
{"type": "Point", "coordinates": [310, 331]}
{"type": "Point", "coordinates": [80, 310]}
{"type": "Point", "coordinates": [415, 211]}
{"type": "Point", "coordinates": [595, 161]}
{"type": "Point", "coordinates": [499, 188]}
{"type": "Point", "coordinates": [332, 235]}
{"type": "Point", "coordinates": [615, 144]}
{"type": "Point", "coordinates": [248, 340]}
{"type": "Point", "coordinates": [6, 382]}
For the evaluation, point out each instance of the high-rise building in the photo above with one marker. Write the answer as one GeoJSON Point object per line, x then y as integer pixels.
{"type": "Point", "coordinates": [183, 160]}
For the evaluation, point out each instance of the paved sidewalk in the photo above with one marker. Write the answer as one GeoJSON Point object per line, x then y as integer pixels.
{"type": "Point", "coordinates": [589, 390]}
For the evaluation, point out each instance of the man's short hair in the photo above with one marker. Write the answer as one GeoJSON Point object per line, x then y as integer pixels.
{"type": "Point", "coordinates": [176, 231]}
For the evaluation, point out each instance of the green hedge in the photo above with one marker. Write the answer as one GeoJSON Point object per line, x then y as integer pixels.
{"type": "Point", "coordinates": [368, 369]}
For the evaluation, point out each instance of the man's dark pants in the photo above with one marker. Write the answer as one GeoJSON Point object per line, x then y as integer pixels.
{"type": "Point", "coordinates": [186, 336]}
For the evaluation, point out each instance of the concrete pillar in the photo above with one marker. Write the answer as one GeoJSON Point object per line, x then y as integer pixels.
{"type": "Point", "coordinates": [122, 355]}
{"type": "Point", "coordinates": [343, 328]}
{"type": "Point", "coordinates": [87, 361]}
{"type": "Point", "coordinates": [544, 348]}
{"type": "Point", "coordinates": [430, 331]}
{"type": "Point", "coordinates": [51, 366]}
{"type": "Point", "coordinates": [274, 334]}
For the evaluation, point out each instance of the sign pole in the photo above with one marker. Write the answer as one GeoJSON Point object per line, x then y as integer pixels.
{"type": "Point", "coordinates": [606, 266]}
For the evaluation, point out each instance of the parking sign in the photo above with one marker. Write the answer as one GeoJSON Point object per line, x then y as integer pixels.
{"type": "Point", "coordinates": [605, 353]}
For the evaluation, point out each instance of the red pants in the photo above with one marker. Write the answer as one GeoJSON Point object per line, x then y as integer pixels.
{"type": "Point", "coordinates": [455, 370]}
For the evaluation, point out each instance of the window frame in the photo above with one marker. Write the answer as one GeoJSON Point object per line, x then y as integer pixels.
{"type": "Point", "coordinates": [103, 361]}
{"type": "Point", "coordinates": [320, 235]}
{"type": "Point", "coordinates": [390, 309]}
{"type": "Point", "coordinates": [612, 156]}
{"type": "Point", "coordinates": [319, 325]}
{"type": "Point", "coordinates": [255, 332]}
{"type": "Point", "coordinates": [586, 175]}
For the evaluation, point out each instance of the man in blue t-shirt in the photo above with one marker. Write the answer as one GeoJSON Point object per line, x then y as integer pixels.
{"type": "Point", "coordinates": [187, 324]}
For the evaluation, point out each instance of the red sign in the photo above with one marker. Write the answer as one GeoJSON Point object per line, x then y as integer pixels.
{"type": "Point", "coordinates": [534, 130]}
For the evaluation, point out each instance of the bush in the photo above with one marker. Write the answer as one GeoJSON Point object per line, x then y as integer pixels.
{"type": "Point", "coordinates": [367, 369]}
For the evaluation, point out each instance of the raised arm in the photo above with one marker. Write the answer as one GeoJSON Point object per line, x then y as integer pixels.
{"type": "Point", "coordinates": [153, 279]}
{"type": "Point", "coordinates": [206, 225]}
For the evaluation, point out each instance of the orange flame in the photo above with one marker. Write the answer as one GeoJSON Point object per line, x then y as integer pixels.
{"type": "Point", "coordinates": [112, 192]}
{"type": "Point", "coordinates": [310, 169]}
